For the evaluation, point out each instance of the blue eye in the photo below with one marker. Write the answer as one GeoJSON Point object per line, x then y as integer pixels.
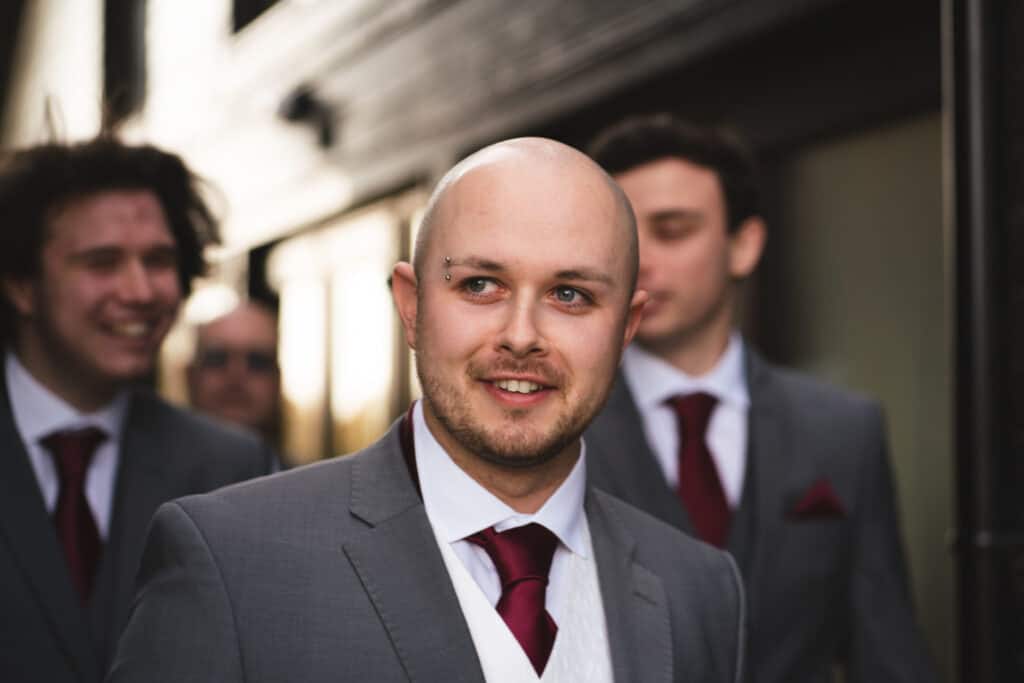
{"type": "Point", "coordinates": [566, 295]}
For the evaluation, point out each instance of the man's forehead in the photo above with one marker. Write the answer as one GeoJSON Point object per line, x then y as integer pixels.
{"type": "Point", "coordinates": [531, 202]}
{"type": "Point", "coordinates": [241, 325]}
{"type": "Point", "coordinates": [115, 203]}
{"type": "Point", "coordinates": [577, 269]}
{"type": "Point", "coordinates": [113, 215]}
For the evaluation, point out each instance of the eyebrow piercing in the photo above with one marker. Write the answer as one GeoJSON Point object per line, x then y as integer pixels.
{"type": "Point", "coordinates": [447, 264]}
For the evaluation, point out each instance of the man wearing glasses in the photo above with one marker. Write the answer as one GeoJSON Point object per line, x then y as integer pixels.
{"type": "Point", "coordinates": [234, 374]}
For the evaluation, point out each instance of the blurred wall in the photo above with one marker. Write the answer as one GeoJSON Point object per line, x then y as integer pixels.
{"type": "Point", "coordinates": [56, 84]}
{"type": "Point", "coordinates": [868, 296]}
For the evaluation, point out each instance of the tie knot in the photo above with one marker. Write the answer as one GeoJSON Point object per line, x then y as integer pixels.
{"type": "Point", "coordinates": [72, 449]}
{"type": "Point", "coordinates": [694, 411]}
{"type": "Point", "coordinates": [518, 554]}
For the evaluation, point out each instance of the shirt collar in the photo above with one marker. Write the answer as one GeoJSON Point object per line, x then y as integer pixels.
{"type": "Point", "coordinates": [458, 506]}
{"type": "Point", "coordinates": [652, 380]}
{"type": "Point", "coordinates": [39, 412]}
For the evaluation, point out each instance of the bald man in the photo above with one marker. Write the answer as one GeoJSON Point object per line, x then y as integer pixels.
{"type": "Point", "coordinates": [234, 374]}
{"type": "Point", "coordinates": [465, 544]}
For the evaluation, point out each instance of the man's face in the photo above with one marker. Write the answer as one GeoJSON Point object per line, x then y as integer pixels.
{"type": "Point", "coordinates": [235, 374]}
{"type": "Point", "coordinates": [688, 259]}
{"type": "Point", "coordinates": [517, 350]}
{"type": "Point", "coordinates": [105, 297]}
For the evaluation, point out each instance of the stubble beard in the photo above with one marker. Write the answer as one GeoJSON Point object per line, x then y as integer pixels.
{"type": "Point", "coordinates": [511, 444]}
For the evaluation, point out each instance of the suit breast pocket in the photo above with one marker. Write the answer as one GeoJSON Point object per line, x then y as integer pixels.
{"type": "Point", "coordinates": [817, 547]}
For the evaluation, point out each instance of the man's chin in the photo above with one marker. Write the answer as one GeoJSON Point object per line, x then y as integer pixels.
{"type": "Point", "coordinates": [658, 334]}
{"type": "Point", "coordinates": [520, 450]}
{"type": "Point", "coordinates": [129, 371]}
{"type": "Point", "coordinates": [652, 340]}
{"type": "Point", "coordinates": [515, 461]}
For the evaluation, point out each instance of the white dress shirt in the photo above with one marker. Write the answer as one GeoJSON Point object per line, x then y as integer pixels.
{"type": "Point", "coordinates": [457, 507]}
{"type": "Point", "coordinates": [652, 381]}
{"type": "Point", "coordinates": [38, 413]}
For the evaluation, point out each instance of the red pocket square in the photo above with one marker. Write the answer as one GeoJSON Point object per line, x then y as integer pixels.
{"type": "Point", "coordinates": [820, 500]}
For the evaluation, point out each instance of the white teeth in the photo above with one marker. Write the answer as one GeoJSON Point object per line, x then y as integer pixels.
{"type": "Point", "coordinates": [131, 329]}
{"type": "Point", "coordinates": [519, 386]}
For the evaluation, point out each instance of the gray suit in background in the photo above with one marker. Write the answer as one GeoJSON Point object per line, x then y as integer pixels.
{"type": "Point", "coordinates": [45, 635]}
{"type": "Point", "coordinates": [820, 585]}
{"type": "Point", "coordinates": [332, 573]}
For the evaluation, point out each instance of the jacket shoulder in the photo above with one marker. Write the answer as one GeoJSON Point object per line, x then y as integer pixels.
{"type": "Point", "coordinates": [272, 505]}
{"type": "Point", "coordinates": [702, 587]}
{"type": "Point", "coordinates": [809, 392]}
{"type": "Point", "coordinates": [660, 545]}
{"type": "Point", "coordinates": [196, 438]}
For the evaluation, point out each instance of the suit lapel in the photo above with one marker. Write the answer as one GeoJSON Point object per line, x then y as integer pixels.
{"type": "Point", "coordinates": [771, 463]}
{"type": "Point", "coordinates": [33, 542]}
{"type": "Point", "coordinates": [623, 462]}
{"type": "Point", "coordinates": [400, 565]}
{"type": "Point", "coordinates": [635, 605]}
{"type": "Point", "coordinates": [144, 481]}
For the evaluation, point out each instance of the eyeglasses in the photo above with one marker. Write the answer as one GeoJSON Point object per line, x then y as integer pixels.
{"type": "Point", "coordinates": [256, 361]}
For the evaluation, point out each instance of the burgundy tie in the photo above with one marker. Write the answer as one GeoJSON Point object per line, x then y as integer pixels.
{"type": "Point", "coordinates": [72, 451]}
{"type": "Point", "coordinates": [523, 557]}
{"type": "Point", "coordinates": [699, 486]}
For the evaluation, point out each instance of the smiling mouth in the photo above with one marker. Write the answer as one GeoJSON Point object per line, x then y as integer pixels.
{"type": "Point", "coordinates": [518, 386]}
{"type": "Point", "coordinates": [132, 330]}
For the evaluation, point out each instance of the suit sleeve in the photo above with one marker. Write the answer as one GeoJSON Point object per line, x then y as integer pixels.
{"type": "Point", "coordinates": [740, 629]}
{"type": "Point", "coordinates": [885, 642]}
{"type": "Point", "coordinates": [182, 625]}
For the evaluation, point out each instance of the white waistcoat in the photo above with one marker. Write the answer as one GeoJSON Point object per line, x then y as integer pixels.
{"type": "Point", "coordinates": [581, 650]}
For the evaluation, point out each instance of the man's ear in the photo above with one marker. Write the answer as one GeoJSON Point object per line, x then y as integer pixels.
{"type": "Point", "coordinates": [404, 290]}
{"type": "Point", "coordinates": [19, 294]}
{"type": "Point", "coordinates": [746, 245]}
{"type": "Point", "coordinates": [634, 315]}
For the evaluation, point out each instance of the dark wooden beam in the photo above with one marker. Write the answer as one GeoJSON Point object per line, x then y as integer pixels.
{"type": "Point", "coordinates": [984, 76]}
{"type": "Point", "coordinates": [124, 59]}
{"type": "Point", "coordinates": [10, 21]}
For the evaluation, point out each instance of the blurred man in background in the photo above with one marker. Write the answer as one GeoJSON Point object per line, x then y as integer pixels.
{"type": "Point", "coordinates": [789, 474]}
{"type": "Point", "coordinates": [100, 245]}
{"type": "Point", "coordinates": [234, 375]}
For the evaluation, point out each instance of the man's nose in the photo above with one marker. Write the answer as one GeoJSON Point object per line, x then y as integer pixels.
{"type": "Point", "coordinates": [520, 334]}
{"type": "Point", "coordinates": [135, 284]}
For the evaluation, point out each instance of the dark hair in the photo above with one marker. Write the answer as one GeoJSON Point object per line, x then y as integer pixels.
{"type": "Point", "coordinates": [37, 182]}
{"type": "Point", "coordinates": [640, 140]}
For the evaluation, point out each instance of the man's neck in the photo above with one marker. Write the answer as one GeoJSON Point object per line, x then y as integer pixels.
{"type": "Point", "coordinates": [80, 393]}
{"type": "Point", "coordinates": [695, 354]}
{"type": "Point", "coordinates": [524, 489]}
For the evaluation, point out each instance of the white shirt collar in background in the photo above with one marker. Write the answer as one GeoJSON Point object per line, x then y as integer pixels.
{"type": "Point", "coordinates": [38, 412]}
{"type": "Point", "coordinates": [652, 381]}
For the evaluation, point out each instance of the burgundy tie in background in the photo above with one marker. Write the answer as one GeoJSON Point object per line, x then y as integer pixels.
{"type": "Point", "coordinates": [523, 558]}
{"type": "Point", "coordinates": [699, 488]}
{"type": "Point", "coordinates": [72, 452]}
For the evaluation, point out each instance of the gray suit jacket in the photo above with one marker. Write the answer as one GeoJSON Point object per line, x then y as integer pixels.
{"type": "Point", "coordinates": [331, 572]}
{"type": "Point", "coordinates": [45, 635]}
{"type": "Point", "coordinates": [820, 588]}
